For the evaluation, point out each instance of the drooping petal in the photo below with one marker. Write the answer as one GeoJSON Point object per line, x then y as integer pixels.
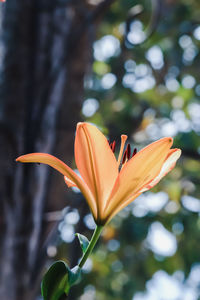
{"type": "Point", "coordinates": [138, 171]}
{"type": "Point", "coordinates": [168, 165]}
{"type": "Point", "coordinates": [96, 162]}
{"type": "Point", "coordinates": [63, 169]}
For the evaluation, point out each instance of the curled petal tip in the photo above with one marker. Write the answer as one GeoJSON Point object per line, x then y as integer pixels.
{"type": "Point", "coordinates": [170, 139]}
{"type": "Point", "coordinates": [80, 124]}
{"type": "Point", "coordinates": [22, 158]}
{"type": "Point", "coordinates": [18, 159]}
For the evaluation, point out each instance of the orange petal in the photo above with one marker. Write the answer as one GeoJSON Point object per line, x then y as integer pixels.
{"type": "Point", "coordinates": [121, 205]}
{"type": "Point", "coordinates": [138, 171]}
{"type": "Point", "coordinates": [96, 162]}
{"type": "Point", "coordinates": [69, 182]}
{"type": "Point", "coordinates": [168, 165]}
{"type": "Point", "coordinates": [63, 169]}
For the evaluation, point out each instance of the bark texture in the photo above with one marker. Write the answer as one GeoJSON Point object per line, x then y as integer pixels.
{"type": "Point", "coordinates": [47, 51]}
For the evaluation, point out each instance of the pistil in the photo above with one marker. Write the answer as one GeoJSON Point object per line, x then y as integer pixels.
{"type": "Point", "coordinates": [123, 141]}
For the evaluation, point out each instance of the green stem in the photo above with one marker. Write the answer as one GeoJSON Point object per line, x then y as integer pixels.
{"type": "Point", "coordinates": [91, 245]}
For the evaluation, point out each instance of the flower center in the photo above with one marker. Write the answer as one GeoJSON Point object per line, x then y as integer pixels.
{"type": "Point", "coordinates": [126, 153]}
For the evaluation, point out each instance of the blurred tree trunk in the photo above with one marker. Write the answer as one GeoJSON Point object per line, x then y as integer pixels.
{"type": "Point", "coordinates": [47, 51]}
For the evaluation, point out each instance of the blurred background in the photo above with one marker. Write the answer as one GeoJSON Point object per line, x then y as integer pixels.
{"type": "Point", "coordinates": [129, 67]}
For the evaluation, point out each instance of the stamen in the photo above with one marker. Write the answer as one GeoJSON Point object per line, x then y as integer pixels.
{"type": "Point", "coordinates": [124, 156]}
{"type": "Point", "coordinates": [127, 154]}
{"type": "Point", "coordinates": [128, 151]}
{"type": "Point", "coordinates": [134, 151]}
{"type": "Point", "coordinates": [113, 146]}
{"type": "Point", "coordinates": [123, 141]}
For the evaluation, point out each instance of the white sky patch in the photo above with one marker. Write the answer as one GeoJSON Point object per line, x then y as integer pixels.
{"type": "Point", "coordinates": [89, 293]}
{"type": "Point", "coordinates": [52, 251]}
{"type": "Point", "coordinates": [155, 57]}
{"type": "Point", "coordinates": [169, 128]}
{"type": "Point", "coordinates": [181, 122]}
{"type": "Point", "coordinates": [130, 65]}
{"type": "Point", "coordinates": [191, 203]}
{"type": "Point", "coordinates": [106, 47]}
{"type": "Point", "coordinates": [140, 80]}
{"type": "Point", "coordinates": [189, 49]}
{"type": "Point", "coordinates": [72, 217]}
{"type": "Point", "coordinates": [139, 211]}
{"type": "Point", "coordinates": [67, 233]}
{"type": "Point", "coordinates": [196, 33]}
{"type": "Point", "coordinates": [108, 80]}
{"type": "Point", "coordinates": [194, 276]}
{"type": "Point", "coordinates": [171, 287]}
{"type": "Point", "coordinates": [160, 240]}
{"type": "Point", "coordinates": [142, 70]}
{"type": "Point", "coordinates": [129, 80]}
{"type": "Point", "coordinates": [172, 84]}
{"type": "Point", "coordinates": [136, 34]}
{"type": "Point", "coordinates": [89, 221]}
{"type": "Point", "coordinates": [162, 282]}
{"type": "Point", "coordinates": [189, 54]}
{"type": "Point", "coordinates": [153, 131]}
{"type": "Point", "coordinates": [194, 112]}
{"type": "Point", "coordinates": [87, 266]}
{"type": "Point", "coordinates": [185, 41]}
{"type": "Point", "coordinates": [172, 207]}
{"type": "Point", "coordinates": [188, 81]}
{"type": "Point", "coordinates": [149, 202]}
{"type": "Point", "coordinates": [90, 106]}
{"type": "Point", "coordinates": [143, 84]}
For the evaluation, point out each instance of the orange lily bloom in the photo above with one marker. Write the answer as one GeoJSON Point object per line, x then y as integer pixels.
{"type": "Point", "coordinates": [109, 184]}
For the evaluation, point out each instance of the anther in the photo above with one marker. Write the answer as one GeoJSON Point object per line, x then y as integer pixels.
{"type": "Point", "coordinates": [128, 151]}
{"type": "Point", "coordinates": [124, 157]}
{"type": "Point", "coordinates": [134, 151]}
{"type": "Point", "coordinates": [113, 146]}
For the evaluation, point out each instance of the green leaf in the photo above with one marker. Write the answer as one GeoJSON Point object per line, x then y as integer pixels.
{"type": "Point", "coordinates": [58, 280]}
{"type": "Point", "coordinates": [83, 242]}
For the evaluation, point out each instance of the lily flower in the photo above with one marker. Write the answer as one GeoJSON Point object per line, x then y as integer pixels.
{"type": "Point", "coordinates": [109, 184]}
